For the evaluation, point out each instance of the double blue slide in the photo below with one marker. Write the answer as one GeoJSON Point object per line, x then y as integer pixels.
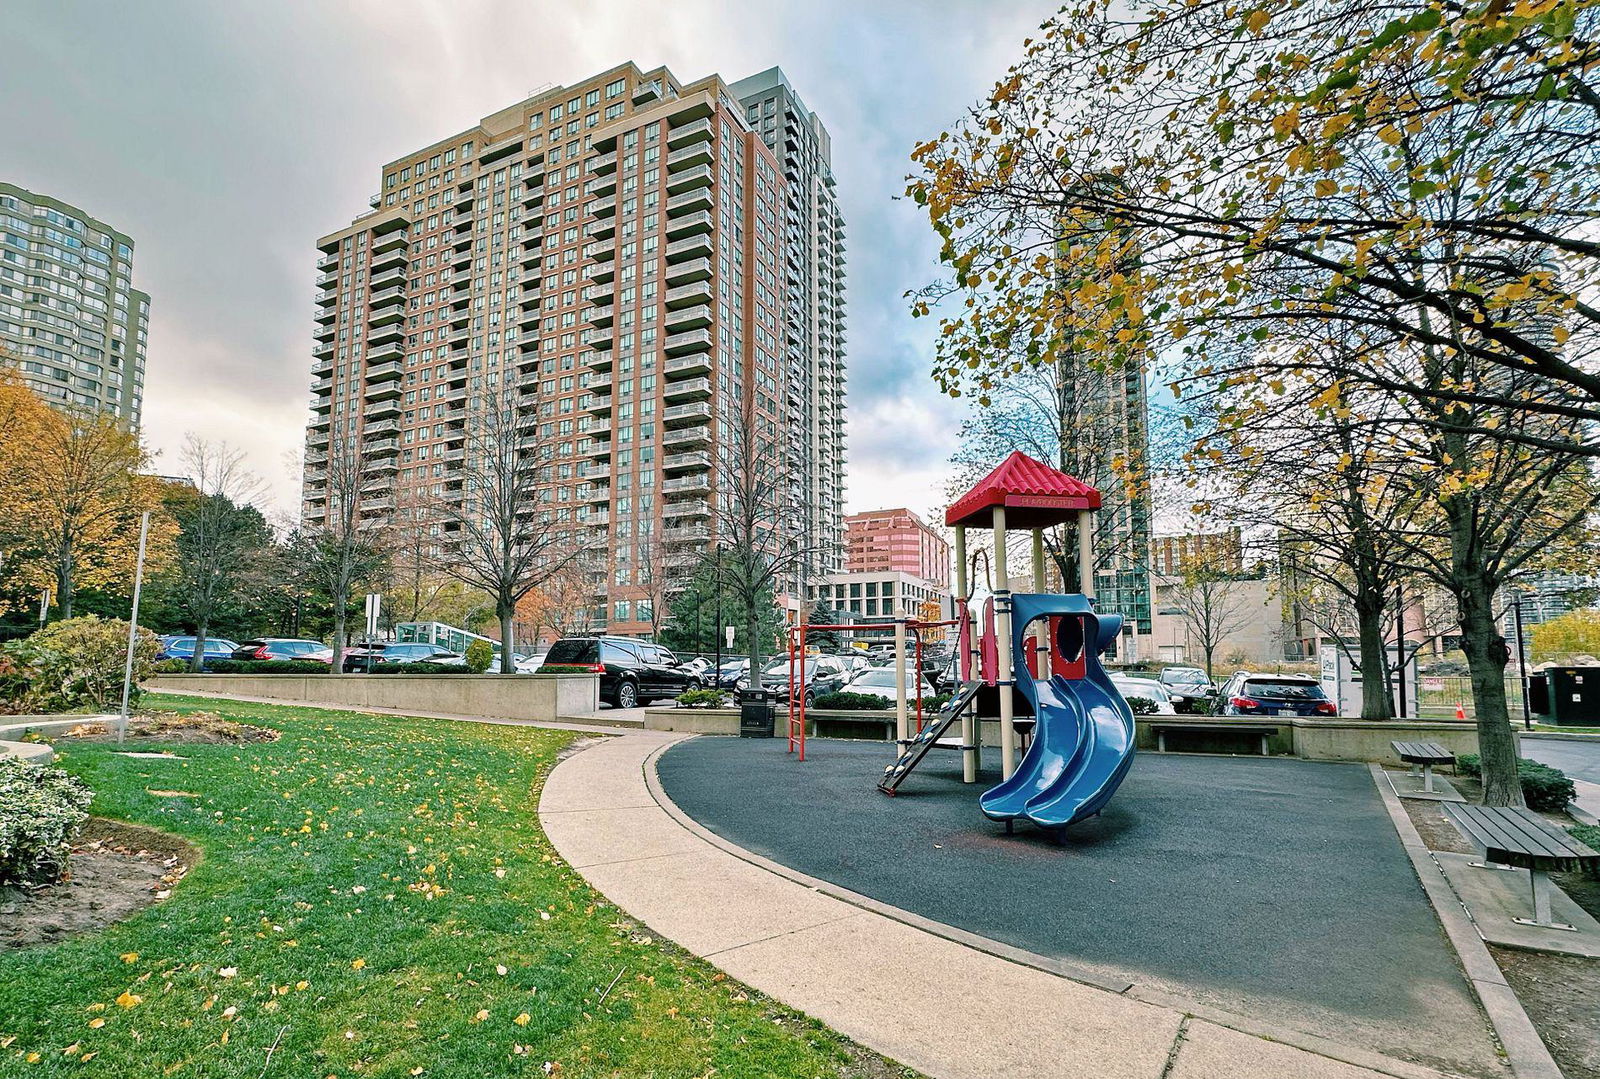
{"type": "Point", "coordinates": [1083, 735]}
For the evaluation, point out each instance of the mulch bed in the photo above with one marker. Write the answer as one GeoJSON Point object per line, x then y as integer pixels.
{"type": "Point", "coordinates": [196, 728]}
{"type": "Point", "coordinates": [116, 870]}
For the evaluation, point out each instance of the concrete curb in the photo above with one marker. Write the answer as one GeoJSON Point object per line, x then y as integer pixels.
{"type": "Point", "coordinates": [1525, 1050]}
{"type": "Point", "coordinates": [1558, 736]}
{"type": "Point", "coordinates": [571, 723]}
{"type": "Point", "coordinates": [1117, 984]}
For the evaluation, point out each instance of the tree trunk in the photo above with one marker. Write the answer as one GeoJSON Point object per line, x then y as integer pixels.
{"type": "Point", "coordinates": [64, 585]}
{"type": "Point", "coordinates": [337, 666]}
{"type": "Point", "coordinates": [198, 660]}
{"type": "Point", "coordinates": [1486, 662]}
{"type": "Point", "coordinates": [507, 613]}
{"type": "Point", "coordinates": [1376, 700]}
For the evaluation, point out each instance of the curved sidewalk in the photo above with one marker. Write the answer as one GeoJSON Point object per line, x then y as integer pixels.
{"type": "Point", "coordinates": [923, 998]}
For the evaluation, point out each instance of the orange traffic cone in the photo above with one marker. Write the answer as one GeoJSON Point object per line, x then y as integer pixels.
{"type": "Point", "coordinates": [1461, 713]}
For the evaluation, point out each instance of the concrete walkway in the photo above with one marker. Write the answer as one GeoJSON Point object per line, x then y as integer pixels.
{"type": "Point", "coordinates": [933, 1003]}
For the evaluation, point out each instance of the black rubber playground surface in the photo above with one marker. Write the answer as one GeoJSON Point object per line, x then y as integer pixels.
{"type": "Point", "coordinates": [1274, 889]}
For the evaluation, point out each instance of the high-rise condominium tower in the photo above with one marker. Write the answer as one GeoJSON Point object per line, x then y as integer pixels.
{"type": "Point", "coordinates": [814, 318]}
{"type": "Point", "coordinates": [617, 258]}
{"type": "Point", "coordinates": [70, 319]}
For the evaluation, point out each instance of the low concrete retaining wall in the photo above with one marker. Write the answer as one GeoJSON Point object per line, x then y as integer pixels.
{"type": "Point", "coordinates": [1311, 739]}
{"type": "Point", "coordinates": [494, 696]}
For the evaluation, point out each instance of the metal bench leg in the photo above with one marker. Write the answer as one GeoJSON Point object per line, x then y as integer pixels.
{"type": "Point", "coordinates": [1427, 779]}
{"type": "Point", "coordinates": [1161, 741]}
{"type": "Point", "coordinates": [1541, 905]}
{"type": "Point", "coordinates": [1264, 752]}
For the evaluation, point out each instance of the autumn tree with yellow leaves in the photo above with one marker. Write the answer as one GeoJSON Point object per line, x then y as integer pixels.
{"type": "Point", "coordinates": [72, 487]}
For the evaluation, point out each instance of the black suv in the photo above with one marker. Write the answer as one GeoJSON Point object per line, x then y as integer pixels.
{"type": "Point", "coordinates": [632, 672]}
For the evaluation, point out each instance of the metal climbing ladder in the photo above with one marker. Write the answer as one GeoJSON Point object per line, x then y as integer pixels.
{"type": "Point", "coordinates": [929, 737]}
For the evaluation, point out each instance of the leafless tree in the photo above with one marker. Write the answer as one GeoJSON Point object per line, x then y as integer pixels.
{"type": "Point", "coordinates": [218, 531]}
{"type": "Point", "coordinates": [342, 546]}
{"type": "Point", "coordinates": [1213, 605]}
{"type": "Point", "coordinates": [760, 530]}
{"type": "Point", "coordinates": [506, 532]}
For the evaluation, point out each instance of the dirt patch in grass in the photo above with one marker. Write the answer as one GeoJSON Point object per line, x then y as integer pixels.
{"type": "Point", "coordinates": [115, 871]}
{"type": "Point", "coordinates": [1562, 996]}
{"type": "Point", "coordinates": [194, 728]}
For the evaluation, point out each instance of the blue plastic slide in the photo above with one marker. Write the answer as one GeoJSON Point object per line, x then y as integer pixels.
{"type": "Point", "coordinates": [1083, 737]}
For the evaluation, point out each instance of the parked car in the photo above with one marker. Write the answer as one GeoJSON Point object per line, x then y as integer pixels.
{"type": "Point", "coordinates": [357, 660]}
{"type": "Point", "coordinates": [1247, 694]}
{"type": "Point", "coordinates": [632, 672]}
{"type": "Point", "coordinates": [528, 664]}
{"type": "Point", "coordinates": [732, 672]}
{"type": "Point", "coordinates": [823, 674]}
{"type": "Point", "coordinates": [855, 662]}
{"type": "Point", "coordinates": [1191, 689]}
{"type": "Point", "coordinates": [267, 649]}
{"type": "Point", "coordinates": [879, 682]}
{"type": "Point", "coordinates": [182, 648]}
{"type": "Point", "coordinates": [1148, 688]}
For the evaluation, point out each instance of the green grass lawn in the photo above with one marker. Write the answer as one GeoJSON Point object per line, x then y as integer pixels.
{"type": "Point", "coordinates": [377, 898]}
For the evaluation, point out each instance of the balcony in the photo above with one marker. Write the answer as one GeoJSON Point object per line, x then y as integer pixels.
{"type": "Point", "coordinates": [688, 318]}
{"type": "Point", "coordinates": [689, 179]}
{"type": "Point", "coordinates": [390, 350]}
{"type": "Point", "coordinates": [325, 331]}
{"type": "Point", "coordinates": [394, 256]}
{"type": "Point", "coordinates": [392, 311]}
{"type": "Point", "coordinates": [598, 340]}
{"type": "Point", "coordinates": [693, 484]}
{"type": "Point", "coordinates": [328, 263]}
{"type": "Point", "coordinates": [600, 250]}
{"type": "Point", "coordinates": [601, 164]}
{"type": "Point", "coordinates": [695, 131]}
{"type": "Point", "coordinates": [686, 462]}
{"type": "Point", "coordinates": [596, 381]}
{"type": "Point", "coordinates": [679, 273]}
{"type": "Point", "coordinates": [688, 534]}
{"type": "Point", "coordinates": [696, 153]}
{"type": "Point", "coordinates": [687, 438]}
{"type": "Point", "coordinates": [689, 248]}
{"type": "Point", "coordinates": [695, 292]}
{"type": "Point", "coordinates": [389, 241]}
{"type": "Point", "coordinates": [601, 292]}
{"type": "Point", "coordinates": [326, 315]}
{"type": "Point", "coordinates": [605, 207]}
{"type": "Point", "coordinates": [598, 360]}
{"type": "Point", "coordinates": [690, 341]}
{"type": "Point", "coordinates": [327, 280]}
{"type": "Point", "coordinates": [381, 428]}
{"type": "Point", "coordinates": [687, 365]}
{"type": "Point", "coordinates": [690, 201]}
{"type": "Point", "coordinates": [601, 272]}
{"type": "Point", "coordinates": [382, 372]}
{"type": "Point", "coordinates": [698, 412]}
{"type": "Point", "coordinates": [694, 225]}
{"type": "Point", "coordinates": [392, 276]}
{"type": "Point", "coordinates": [322, 352]}
{"type": "Point", "coordinates": [603, 229]}
{"type": "Point", "coordinates": [598, 495]}
{"type": "Point", "coordinates": [383, 445]}
{"type": "Point", "coordinates": [694, 389]}
{"type": "Point", "coordinates": [327, 299]}
{"type": "Point", "coordinates": [691, 509]}
{"type": "Point", "coordinates": [601, 316]}
{"type": "Point", "coordinates": [647, 92]}
{"type": "Point", "coordinates": [598, 519]}
{"type": "Point", "coordinates": [600, 473]}
{"type": "Point", "coordinates": [599, 404]}
{"type": "Point", "coordinates": [598, 426]}
{"type": "Point", "coordinates": [602, 185]}
{"type": "Point", "coordinates": [378, 410]}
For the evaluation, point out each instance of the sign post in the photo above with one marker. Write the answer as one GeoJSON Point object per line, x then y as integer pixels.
{"type": "Point", "coordinates": [133, 627]}
{"type": "Point", "coordinates": [374, 602]}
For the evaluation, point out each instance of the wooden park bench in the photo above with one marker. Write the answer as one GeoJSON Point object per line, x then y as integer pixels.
{"type": "Point", "coordinates": [1520, 838]}
{"type": "Point", "coordinates": [1426, 755]}
{"type": "Point", "coordinates": [1160, 729]}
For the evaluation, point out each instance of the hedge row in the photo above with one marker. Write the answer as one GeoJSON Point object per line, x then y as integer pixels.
{"type": "Point", "coordinates": [1543, 787]}
{"type": "Point", "coordinates": [302, 666]}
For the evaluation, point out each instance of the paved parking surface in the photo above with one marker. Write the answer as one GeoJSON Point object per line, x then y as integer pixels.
{"type": "Point", "coordinates": [1271, 888]}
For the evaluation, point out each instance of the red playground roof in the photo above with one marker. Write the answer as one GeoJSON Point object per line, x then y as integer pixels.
{"type": "Point", "coordinates": [1034, 495]}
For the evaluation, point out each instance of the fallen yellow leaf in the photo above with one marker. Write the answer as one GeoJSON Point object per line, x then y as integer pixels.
{"type": "Point", "coordinates": [522, 1020]}
{"type": "Point", "coordinates": [130, 957]}
{"type": "Point", "coordinates": [97, 1022]}
{"type": "Point", "coordinates": [128, 1000]}
{"type": "Point", "coordinates": [358, 964]}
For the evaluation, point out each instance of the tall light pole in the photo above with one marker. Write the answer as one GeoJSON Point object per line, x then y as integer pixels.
{"type": "Point", "coordinates": [133, 627]}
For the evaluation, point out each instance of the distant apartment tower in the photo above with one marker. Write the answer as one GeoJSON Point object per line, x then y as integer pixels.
{"type": "Point", "coordinates": [615, 250]}
{"type": "Point", "coordinates": [896, 541]}
{"type": "Point", "coordinates": [70, 319]}
{"type": "Point", "coordinates": [814, 314]}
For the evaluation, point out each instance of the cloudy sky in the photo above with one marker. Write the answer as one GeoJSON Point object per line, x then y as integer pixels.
{"type": "Point", "coordinates": [226, 137]}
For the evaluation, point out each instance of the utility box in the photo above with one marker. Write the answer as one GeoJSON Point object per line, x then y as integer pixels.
{"type": "Point", "coordinates": [755, 714]}
{"type": "Point", "coordinates": [1573, 696]}
{"type": "Point", "coordinates": [1341, 676]}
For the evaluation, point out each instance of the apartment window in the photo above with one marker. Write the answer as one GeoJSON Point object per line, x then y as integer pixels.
{"type": "Point", "coordinates": [615, 89]}
{"type": "Point", "coordinates": [592, 98]}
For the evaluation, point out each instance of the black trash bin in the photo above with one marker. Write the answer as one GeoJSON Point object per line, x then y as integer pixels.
{"type": "Point", "coordinates": [755, 714]}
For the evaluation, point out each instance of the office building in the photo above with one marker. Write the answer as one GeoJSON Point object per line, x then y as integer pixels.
{"type": "Point", "coordinates": [896, 540]}
{"type": "Point", "coordinates": [70, 319]}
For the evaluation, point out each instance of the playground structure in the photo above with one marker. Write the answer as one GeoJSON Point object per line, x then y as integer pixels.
{"type": "Point", "coordinates": [1030, 659]}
